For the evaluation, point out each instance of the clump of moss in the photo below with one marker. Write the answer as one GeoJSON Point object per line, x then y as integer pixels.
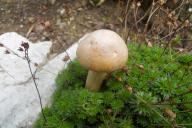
{"type": "Point", "coordinates": [114, 106]}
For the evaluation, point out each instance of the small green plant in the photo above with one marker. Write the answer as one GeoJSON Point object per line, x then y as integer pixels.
{"type": "Point", "coordinates": [96, 2]}
{"type": "Point", "coordinates": [106, 19]}
{"type": "Point", "coordinates": [7, 4]}
{"type": "Point", "coordinates": [132, 102]}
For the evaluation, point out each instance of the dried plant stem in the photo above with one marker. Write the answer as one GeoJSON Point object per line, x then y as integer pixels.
{"type": "Point", "coordinates": [179, 95]}
{"type": "Point", "coordinates": [182, 66]}
{"type": "Point", "coordinates": [159, 103]}
{"type": "Point", "coordinates": [146, 26]}
{"type": "Point", "coordinates": [183, 85]}
{"type": "Point", "coordinates": [25, 59]}
{"type": "Point", "coordinates": [144, 15]}
{"type": "Point", "coordinates": [54, 35]}
{"type": "Point", "coordinates": [170, 40]}
{"type": "Point", "coordinates": [154, 110]}
{"type": "Point", "coordinates": [125, 20]}
{"type": "Point", "coordinates": [30, 29]}
{"type": "Point", "coordinates": [184, 73]}
{"type": "Point", "coordinates": [116, 16]}
{"type": "Point", "coordinates": [73, 31]}
{"type": "Point", "coordinates": [158, 73]}
{"type": "Point", "coordinates": [6, 71]}
{"type": "Point", "coordinates": [184, 111]}
{"type": "Point", "coordinates": [135, 16]}
{"type": "Point", "coordinates": [135, 114]}
{"type": "Point", "coordinates": [128, 34]}
{"type": "Point", "coordinates": [33, 76]}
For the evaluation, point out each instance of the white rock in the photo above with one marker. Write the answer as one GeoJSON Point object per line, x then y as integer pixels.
{"type": "Point", "coordinates": [19, 101]}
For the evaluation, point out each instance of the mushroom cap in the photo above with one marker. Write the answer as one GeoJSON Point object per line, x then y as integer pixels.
{"type": "Point", "coordinates": [102, 51]}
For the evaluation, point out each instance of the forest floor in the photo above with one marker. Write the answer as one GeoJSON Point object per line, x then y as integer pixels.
{"type": "Point", "coordinates": [20, 15]}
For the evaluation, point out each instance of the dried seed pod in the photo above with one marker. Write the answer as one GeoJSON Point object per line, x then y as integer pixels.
{"type": "Point", "coordinates": [125, 68]}
{"type": "Point", "coordinates": [1, 45]}
{"type": "Point", "coordinates": [132, 6]}
{"type": "Point", "coordinates": [187, 2]}
{"type": "Point", "coordinates": [42, 22]}
{"type": "Point", "coordinates": [108, 110]}
{"type": "Point", "coordinates": [47, 24]}
{"type": "Point", "coordinates": [168, 112]}
{"type": "Point", "coordinates": [142, 73]}
{"type": "Point", "coordinates": [173, 13]}
{"type": "Point", "coordinates": [175, 1]}
{"type": "Point", "coordinates": [130, 68]}
{"type": "Point", "coordinates": [53, 50]}
{"type": "Point", "coordinates": [169, 15]}
{"type": "Point", "coordinates": [186, 22]}
{"type": "Point", "coordinates": [161, 2]}
{"type": "Point", "coordinates": [138, 4]}
{"type": "Point", "coordinates": [174, 18]}
{"type": "Point", "coordinates": [43, 7]}
{"type": "Point", "coordinates": [118, 79]}
{"type": "Point", "coordinates": [7, 52]}
{"type": "Point", "coordinates": [128, 88]}
{"type": "Point", "coordinates": [167, 10]}
{"type": "Point", "coordinates": [140, 66]}
{"type": "Point", "coordinates": [168, 23]}
{"type": "Point", "coordinates": [20, 49]}
{"type": "Point", "coordinates": [36, 65]}
{"type": "Point", "coordinates": [66, 58]}
{"type": "Point", "coordinates": [153, 4]}
{"type": "Point", "coordinates": [172, 117]}
{"type": "Point", "coordinates": [158, 17]}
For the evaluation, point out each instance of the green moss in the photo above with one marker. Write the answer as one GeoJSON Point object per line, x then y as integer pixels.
{"type": "Point", "coordinates": [75, 106]}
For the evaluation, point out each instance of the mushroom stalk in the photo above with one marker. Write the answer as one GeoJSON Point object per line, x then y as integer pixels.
{"type": "Point", "coordinates": [95, 80]}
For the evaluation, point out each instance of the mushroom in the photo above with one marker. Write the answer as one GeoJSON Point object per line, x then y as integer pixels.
{"type": "Point", "coordinates": [101, 52]}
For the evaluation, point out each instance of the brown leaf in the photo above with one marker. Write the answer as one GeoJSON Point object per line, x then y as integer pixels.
{"type": "Point", "coordinates": [7, 52]}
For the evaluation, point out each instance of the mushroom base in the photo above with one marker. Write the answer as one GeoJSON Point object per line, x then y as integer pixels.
{"type": "Point", "coordinates": [95, 80]}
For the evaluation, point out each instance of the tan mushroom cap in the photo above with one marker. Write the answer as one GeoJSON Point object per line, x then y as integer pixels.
{"type": "Point", "coordinates": [102, 51]}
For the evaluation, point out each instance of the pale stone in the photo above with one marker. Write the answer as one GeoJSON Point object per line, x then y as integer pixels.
{"type": "Point", "coordinates": [19, 101]}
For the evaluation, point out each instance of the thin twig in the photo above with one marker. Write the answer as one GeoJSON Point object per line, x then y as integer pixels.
{"type": "Point", "coordinates": [28, 60]}
{"type": "Point", "coordinates": [6, 71]}
{"type": "Point", "coordinates": [154, 110]}
{"type": "Point", "coordinates": [30, 29]}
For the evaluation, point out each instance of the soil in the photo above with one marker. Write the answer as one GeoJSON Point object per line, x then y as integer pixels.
{"type": "Point", "coordinates": [21, 15]}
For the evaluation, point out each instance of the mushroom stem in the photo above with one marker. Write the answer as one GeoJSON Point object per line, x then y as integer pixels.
{"type": "Point", "coordinates": [95, 80]}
